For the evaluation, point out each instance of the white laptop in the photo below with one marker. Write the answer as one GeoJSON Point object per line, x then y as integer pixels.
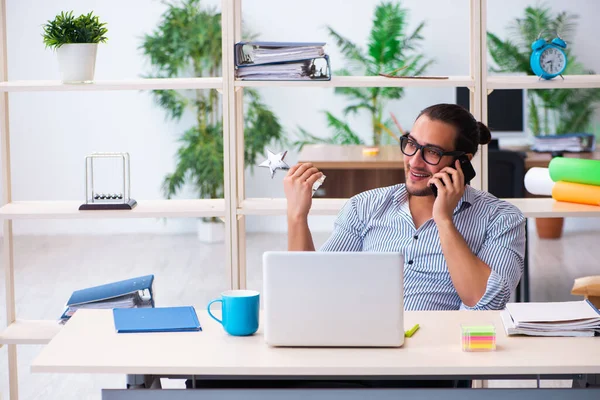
{"type": "Point", "coordinates": [333, 299]}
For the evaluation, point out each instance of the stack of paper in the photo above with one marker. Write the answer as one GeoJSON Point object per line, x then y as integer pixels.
{"type": "Point", "coordinates": [571, 318]}
{"type": "Point", "coordinates": [573, 142]}
{"type": "Point", "coordinates": [479, 338]}
{"type": "Point", "coordinates": [288, 61]}
{"type": "Point", "coordinates": [300, 70]}
{"type": "Point", "coordinates": [276, 52]}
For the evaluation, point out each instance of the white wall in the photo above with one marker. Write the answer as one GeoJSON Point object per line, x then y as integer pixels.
{"type": "Point", "coordinates": [52, 132]}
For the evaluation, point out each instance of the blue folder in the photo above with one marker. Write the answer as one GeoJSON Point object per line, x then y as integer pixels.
{"type": "Point", "coordinates": [112, 290]}
{"type": "Point", "coordinates": [161, 319]}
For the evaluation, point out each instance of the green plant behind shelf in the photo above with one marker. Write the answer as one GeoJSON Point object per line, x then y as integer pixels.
{"type": "Point", "coordinates": [67, 29]}
{"type": "Point", "coordinates": [188, 41]}
{"type": "Point", "coordinates": [390, 48]}
{"type": "Point", "coordinates": [549, 110]}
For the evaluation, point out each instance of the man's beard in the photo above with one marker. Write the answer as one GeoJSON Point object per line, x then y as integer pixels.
{"type": "Point", "coordinates": [426, 191]}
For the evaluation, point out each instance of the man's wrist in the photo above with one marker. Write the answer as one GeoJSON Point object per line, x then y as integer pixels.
{"type": "Point", "coordinates": [297, 219]}
{"type": "Point", "coordinates": [445, 223]}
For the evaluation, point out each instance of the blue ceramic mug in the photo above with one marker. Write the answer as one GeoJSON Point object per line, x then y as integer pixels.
{"type": "Point", "coordinates": [239, 311]}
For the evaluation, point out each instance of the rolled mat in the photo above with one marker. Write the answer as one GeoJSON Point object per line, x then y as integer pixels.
{"type": "Point", "coordinates": [538, 181]}
{"type": "Point", "coordinates": [576, 193]}
{"type": "Point", "coordinates": [575, 170]}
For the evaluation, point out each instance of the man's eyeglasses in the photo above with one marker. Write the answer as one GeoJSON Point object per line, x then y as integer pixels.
{"type": "Point", "coordinates": [431, 155]}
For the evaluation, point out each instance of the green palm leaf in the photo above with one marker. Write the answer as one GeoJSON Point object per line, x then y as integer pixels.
{"type": "Point", "coordinates": [392, 92]}
{"type": "Point", "coordinates": [537, 20]}
{"type": "Point", "coordinates": [343, 134]}
{"type": "Point", "coordinates": [259, 120]}
{"type": "Point", "coordinates": [387, 34]}
{"type": "Point", "coordinates": [550, 110]}
{"type": "Point", "coordinates": [355, 93]}
{"type": "Point", "coordinates": [389, 47]}
{"type": "Point", "coordinates": [534, 119]}
{"type": "Point", "coordinates": [66, 28]}
{"type": "Point", "coordinates": [304, 138]}
{"type": "Point", "coordinates": [187, 41]}
{"type": "Point", "coordinates": [411, 42]}
{"type": "Point", "coordinates": [507, 56]}
{"type": "Point", "coordinates": [348, 49]}
{"type": "Point", "coordinates": [355, 108]}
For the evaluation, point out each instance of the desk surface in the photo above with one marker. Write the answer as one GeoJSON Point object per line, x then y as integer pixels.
{"type": "Point", "coordinates": [89, 344]}
{"type": "Point", "coordinates": [330, 156]}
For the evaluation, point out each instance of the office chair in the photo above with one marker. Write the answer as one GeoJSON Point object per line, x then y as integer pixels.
{"type": "Point", "coordinates": [506, 174]}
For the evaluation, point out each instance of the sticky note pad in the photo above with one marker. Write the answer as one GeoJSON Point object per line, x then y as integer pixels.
{"type": "Point", "coordinates": [478, 338]}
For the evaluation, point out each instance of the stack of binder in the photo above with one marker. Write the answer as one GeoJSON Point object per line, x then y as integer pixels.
{"type": "Point", "coordinates": [571, 142]}
{"type": "Point", "coordinates": [287, 61]}
{"type": "Point", "coordinates": [130, 293]}
{"type": "Point", "coordinates": [569, 318]}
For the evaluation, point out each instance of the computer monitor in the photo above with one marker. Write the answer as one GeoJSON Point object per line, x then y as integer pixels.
{"type": "Point", "coordinates": [505, 110]}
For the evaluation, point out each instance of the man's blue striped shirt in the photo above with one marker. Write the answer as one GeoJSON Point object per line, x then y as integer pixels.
{"type": "Point", "coordinates": [379, 220]}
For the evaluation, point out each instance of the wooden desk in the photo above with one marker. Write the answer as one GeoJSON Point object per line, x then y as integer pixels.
{"type": "Point", "coordinates": [349, 172]}
{"type": "Point", "coordinates": [89, 344]}
{"type": "Point", "coordinates": [542, 160]}
{"type": "Point", "coordinates": [390, 157]}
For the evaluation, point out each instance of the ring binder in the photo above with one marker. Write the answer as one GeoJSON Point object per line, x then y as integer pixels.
{"type": "Point", "coordinates": [308, 69]}
{"type": "Point", "coordinates": [254, 53]}
{"type": "Point", "coordinates": [130, 293]}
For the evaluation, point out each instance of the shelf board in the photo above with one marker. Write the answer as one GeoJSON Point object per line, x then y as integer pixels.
{"type": "Point", "coordinates": [533, 82]}
{"type": "Point", "coordinates": [531, 207]}
{"type": "Point", "coordinates": [144, 209]}
{"type": "Point", "coordinates": [278, 206]}
{"type": "Point", "coordinates": [548, 207]}
{"type": "Point", "coordinates": [129, 84]}
{"type": "Point", "coordinates": [365, 81]}
{"type": "Point", "coordinates": [30, 332]}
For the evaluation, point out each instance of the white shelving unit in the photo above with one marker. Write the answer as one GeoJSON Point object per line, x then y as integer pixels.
{"type": "Point", "coordinates": [30, 332]}
{"type": "Point", "coordinates": [235, 206]}
{"type": "Point", "coordinates": [533, 82]}
{"type": "Point", "coordinates": [145, 209]}
{"type": "Point", "coordinates": [530, 207]}
{"type": "Point", "coordinates": [131, 84]}
{"type": "Point", "coordinates": [367, 81]}
{"type": "Point", "coordinates": [23, 332]}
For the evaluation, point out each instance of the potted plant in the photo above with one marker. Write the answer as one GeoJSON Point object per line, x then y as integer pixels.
{"type": "Point", "coordinates": [391, 49]}
{"type": "Point", "coordinates": [75, 40]}
{"type": "Point", "coordinates": [188, 41]}
{"type": "Point", "coordinates": [549, 110]}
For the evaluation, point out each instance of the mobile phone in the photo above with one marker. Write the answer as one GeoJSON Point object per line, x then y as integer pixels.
{"type": "Point", "coordinates": [467, 169]}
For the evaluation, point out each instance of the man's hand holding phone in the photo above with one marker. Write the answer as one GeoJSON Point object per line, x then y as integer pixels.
{"type": "Point", "coordinates": [449, 186]}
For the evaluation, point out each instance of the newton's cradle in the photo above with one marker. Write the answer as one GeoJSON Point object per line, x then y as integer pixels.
{"type": "Point", "coordinates": [107, 182]}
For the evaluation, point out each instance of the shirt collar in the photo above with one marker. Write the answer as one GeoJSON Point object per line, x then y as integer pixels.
{"type": "Point", "coordinates": [466, 200]}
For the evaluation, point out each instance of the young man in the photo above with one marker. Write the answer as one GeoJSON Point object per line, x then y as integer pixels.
{"type": "Point", "coordinates": [464, 249]}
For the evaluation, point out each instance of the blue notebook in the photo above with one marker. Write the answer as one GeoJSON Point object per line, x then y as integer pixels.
{"type": "Point", "coordinates": [161, 319]}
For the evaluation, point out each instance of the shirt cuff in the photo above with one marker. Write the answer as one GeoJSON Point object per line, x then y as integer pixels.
{"type": "Point", "coordinates": [495, 296]}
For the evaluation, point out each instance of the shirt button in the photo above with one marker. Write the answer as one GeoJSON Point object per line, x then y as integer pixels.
{"type": "Point", "coordinates": [410, 262]}
{"type": "Point", "coordinates": [415, 237]}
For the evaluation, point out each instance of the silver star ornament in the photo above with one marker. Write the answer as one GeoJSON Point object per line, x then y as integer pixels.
{"type": "Point", "coordinates": [275, 162]}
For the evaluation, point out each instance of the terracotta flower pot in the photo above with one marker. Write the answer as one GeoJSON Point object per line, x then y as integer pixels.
{"type": "Point", "coordinates": [549, 228]}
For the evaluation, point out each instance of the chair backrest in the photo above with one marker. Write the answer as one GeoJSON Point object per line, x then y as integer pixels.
{"type": "Point", "coordinates": [506, 173]}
